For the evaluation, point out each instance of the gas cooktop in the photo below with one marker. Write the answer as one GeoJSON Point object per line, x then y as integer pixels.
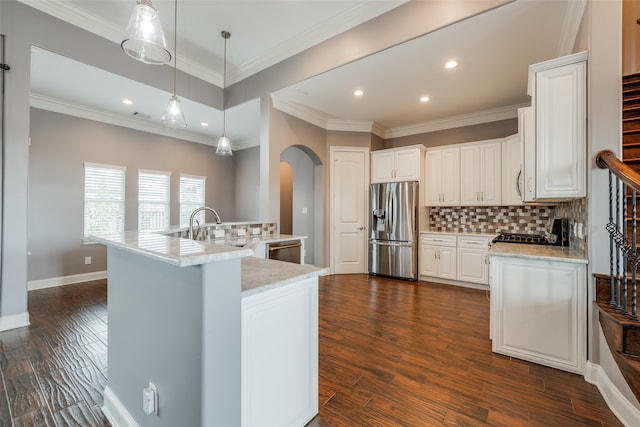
{"type": "Point", "coordinates": [532, 239]}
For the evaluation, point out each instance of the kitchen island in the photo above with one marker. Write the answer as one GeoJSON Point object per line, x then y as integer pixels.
{"type": "Point", "coordinates": [194, 320]}
{"type": "Point", "coordinates": [539, 304]}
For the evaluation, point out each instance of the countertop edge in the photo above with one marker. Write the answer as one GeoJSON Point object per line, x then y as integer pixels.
{"type": "Point", "coordinates": [538, 252]}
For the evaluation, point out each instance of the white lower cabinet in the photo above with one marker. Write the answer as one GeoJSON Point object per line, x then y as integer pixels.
{"type": "Point", "coordinates": [438, 256]}
{"type": "Point", "coordinates": [473, 262]}
{"type": "Point", "coordinates": [280, 356]}
{"type": "Point", "coordinates": [539, 311]}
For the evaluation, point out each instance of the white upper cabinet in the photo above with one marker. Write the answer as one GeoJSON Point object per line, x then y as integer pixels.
{"type": "Point", "coordinates": [396, 165]}
{"type": "Point", "coordinates": [443, 177]}
{"type": "Point", "coordinates": [558, 132]}
{"type": "Point", "coordinates": [512, 171]}
{"type": "Point", "coordinates": [480, 167]}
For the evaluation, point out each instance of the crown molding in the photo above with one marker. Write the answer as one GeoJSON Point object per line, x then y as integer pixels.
{"type": "Point", "coordinates": [302, 112]}
{"type": "Point", "coordinates": [571, 26]}
{"type": "Point", "coordinates": [356, 126]}
{"type": "Point", "coordinates": [487, 116]}
{"type": "Point", "coordinates": [323, 121]}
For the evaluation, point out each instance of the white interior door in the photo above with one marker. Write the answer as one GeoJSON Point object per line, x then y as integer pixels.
{"type": "Point", "coordinates": [349, 191]}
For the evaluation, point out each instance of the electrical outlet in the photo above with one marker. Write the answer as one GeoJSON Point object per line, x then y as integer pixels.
{"type": "Point", "coordinates": [579, 234]}
{"type": "Point", "coordinates": [255, 231]}
{"type": "Point", "coordinates": [242, 231]}
{"type": "Point", "coordinates": [218, 234]}
{"type": "Point", "coordinates": [305, 211]}
{"type": "Point", "coordinates": [87, 260]}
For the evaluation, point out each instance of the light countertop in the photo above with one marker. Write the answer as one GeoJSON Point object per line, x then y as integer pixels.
{"type": "Point", "coordinates": [541, 252]}
{"type": "Point", "coordinates": [454, 233]}
{"type": "Point", "coordinates": [185, 252]}
{"type": "Point", "coordinates": [261, 275]}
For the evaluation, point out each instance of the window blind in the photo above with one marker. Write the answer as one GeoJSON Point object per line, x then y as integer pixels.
{"type": "Point", "coordinates": [192, 191]}
{"type": "Point", "coordinates": [103, 198]}
{"type": "Point", "coordinates": [153, 200]}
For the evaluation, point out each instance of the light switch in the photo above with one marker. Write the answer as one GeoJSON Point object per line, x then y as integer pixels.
{"type": "Point", "coordinates": [305, 211]}
{"type": "Point", "coordinates": [150, 399]}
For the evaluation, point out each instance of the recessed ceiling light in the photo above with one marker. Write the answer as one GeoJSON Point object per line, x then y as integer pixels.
{"type": "Point", "coordinates": [204, 124]}
{"type": "Point", "coordinates": [424, 99]}
{"type": "Point", "coordinates": [127, 101]}
{"type": "Point", "coordinates": [451, 64]}
{"type": "Point", "coordinates": [358, 92]}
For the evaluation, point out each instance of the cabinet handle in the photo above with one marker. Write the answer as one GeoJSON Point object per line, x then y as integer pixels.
{"type": "Point", "coordinates": [482, 196]}
{"type": "Point", "coordinates": [519, 183]}
{"type": "Point", "coordinates": [529, 182]}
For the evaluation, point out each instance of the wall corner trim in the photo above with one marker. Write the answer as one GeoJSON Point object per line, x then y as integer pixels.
{"type": "Point", "coordinates": [115, 412]}
{"type": "Point", "coordinates": [622, 408]}
{"type": "Point", "coordinates": [14, 321]}
{"type": "Point", "coordinates": [65, 280]}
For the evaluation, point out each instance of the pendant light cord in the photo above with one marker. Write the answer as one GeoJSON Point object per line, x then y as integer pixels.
{"type": "Point", "coordinates": [225, 35]}
{"type": "Point", "coordinates": [175, 44]}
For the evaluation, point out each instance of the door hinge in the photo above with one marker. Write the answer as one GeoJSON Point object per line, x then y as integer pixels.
{"type": "Point", "coordinates": [5, 67]}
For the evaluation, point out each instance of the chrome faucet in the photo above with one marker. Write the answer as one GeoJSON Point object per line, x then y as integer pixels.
{"type": "Point", "coordinates": [193, 214]}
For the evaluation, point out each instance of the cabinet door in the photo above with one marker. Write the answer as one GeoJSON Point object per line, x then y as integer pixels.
{"type": "Point", "coordinates": [472, 266]}
{"type": "Point", "coordinates": [447, 262]}
{"type": "Point", "coordinates": [382, 165]}
{"type": "Point", "coordinates": [560, 109]}
{"type": "Point", "coordinates": [527, 132]}
{"type": "Point", "coordinates": [512, 171]}
{"type": "Point", "coordinates": [470, 175]}
{"type": "Point", "coordinates": [433, 188]}
{"type": "Point", "coordinates": [450, 180]}
{"type": "Point", "coordinates": [407, 165]}
{"type": "Point", "coordinates": [428, 265]}
{"type": "Point", "coordinates": [540, 310]}
{"type": "Point", "coordinates": [490, 174]}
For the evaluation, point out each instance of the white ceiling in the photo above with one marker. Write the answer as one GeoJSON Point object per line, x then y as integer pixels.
{"type": "Point", "coordinates": [494, 50]}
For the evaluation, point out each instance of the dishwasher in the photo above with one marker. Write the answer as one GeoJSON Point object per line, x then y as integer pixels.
{"type": "Point", "coordinates": [288, 251]}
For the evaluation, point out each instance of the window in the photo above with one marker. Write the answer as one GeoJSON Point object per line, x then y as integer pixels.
{"type": "Point", "coordinates": [103, 199]}
{"type": "Point", "coordinates": [153, 200]}
{"type": "Point", "coordinates": [191, 197]}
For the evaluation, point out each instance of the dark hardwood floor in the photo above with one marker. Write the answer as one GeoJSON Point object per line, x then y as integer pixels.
{"type": "Point", "coordinates": [392, 353]}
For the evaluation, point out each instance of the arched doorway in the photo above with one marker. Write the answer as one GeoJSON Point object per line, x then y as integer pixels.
{"type": "Point", "coordinates": [301, 202]}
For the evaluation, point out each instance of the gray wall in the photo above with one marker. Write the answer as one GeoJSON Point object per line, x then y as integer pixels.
{"type": "Point", "coordinates": [247, 184]}
{"type": "Point", "coordinates": [60, 145]}
{"type": "Point", "coordinates": [303, 198]}
{"type": "Point", "coordinates": [479, 132]}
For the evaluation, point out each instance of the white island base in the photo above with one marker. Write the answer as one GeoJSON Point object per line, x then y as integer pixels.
{"type": "Point", "coordinates": [226, 340]}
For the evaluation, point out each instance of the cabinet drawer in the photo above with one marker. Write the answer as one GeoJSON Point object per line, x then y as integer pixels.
{"type": "Point", "coordinates": [438, 240]}
{"type": "Point", "coordinates": [473, 242]}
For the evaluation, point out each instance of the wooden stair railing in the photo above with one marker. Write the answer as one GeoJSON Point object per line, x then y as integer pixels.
{"type": "Point", "coordinates": [616, 293]}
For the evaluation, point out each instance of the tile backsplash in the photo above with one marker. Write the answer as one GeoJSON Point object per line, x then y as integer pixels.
{"type": "Point", "coordinates": [491, 219]}
{"type": "Point", "coordinates": [511, 219]}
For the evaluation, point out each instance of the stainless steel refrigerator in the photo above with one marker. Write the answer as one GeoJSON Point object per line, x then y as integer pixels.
{"type": "Point", "coordinates": [393, 240]}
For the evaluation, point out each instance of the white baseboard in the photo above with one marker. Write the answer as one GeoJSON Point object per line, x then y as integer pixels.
{"type": "Point", "coordinates": [626, 412]}
{"type": "Point", "coordinates": [14, 321]}
{"type": "Point", "coordinates": [65, 280]}
{"type": "Point", "coordinates": [115, 412]}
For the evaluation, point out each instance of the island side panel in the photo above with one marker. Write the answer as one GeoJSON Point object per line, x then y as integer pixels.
{"type": "Point", "coordinates": [155, 335]}
{"type": "Point", "coordinates": [221, 338]}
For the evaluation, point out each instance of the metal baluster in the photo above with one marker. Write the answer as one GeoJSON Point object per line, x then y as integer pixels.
{"type": "Point", "coordinates": [617, 297]}
{"type": "Point", "coordinates": [611, 271]}
{"type": "Point", "coordinates": [626, 252]}
{"type": "Point", "coordinates": [634, 266]}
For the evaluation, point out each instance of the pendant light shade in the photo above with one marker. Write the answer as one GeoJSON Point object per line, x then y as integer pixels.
{"type": "Point", "coordinates": [144, 38]}
{"type": "Point", "coordinates": [173, 116]}
{"type": "Point", "coordinates": [224, 145]}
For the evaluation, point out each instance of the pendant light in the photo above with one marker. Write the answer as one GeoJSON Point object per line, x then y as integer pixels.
{"type": "Point", "coordinates": [173, 116]}
{"type": "Point", "coordinates": [224, 146]}
{"type": "Point", "coordinates": [144, 38]}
